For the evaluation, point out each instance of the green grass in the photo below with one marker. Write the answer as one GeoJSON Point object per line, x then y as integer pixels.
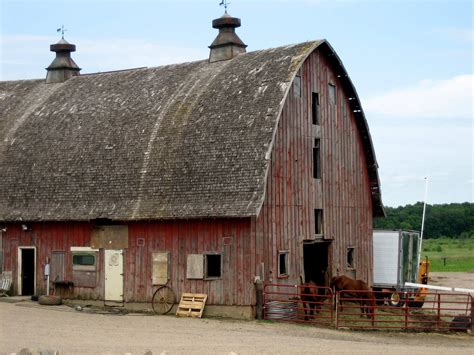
{"type": "Point", "coordinates": [448, 254]}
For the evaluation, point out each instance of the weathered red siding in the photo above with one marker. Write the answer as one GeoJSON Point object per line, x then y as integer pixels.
{"type": "Point", "coordinates": [180, 238]}
{"type": "Point", "coordinates": [292, 194]}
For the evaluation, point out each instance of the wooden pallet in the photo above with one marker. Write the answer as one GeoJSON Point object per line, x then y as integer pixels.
{"type": "Point", "coordinates": [191, 305]}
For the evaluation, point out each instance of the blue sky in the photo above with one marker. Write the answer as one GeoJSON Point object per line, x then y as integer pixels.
{"type": "Point", "coordinates": [411, 62]}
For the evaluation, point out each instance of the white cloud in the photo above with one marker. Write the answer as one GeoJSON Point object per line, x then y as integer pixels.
{"type": "Point", "coordinates": [451, 98]}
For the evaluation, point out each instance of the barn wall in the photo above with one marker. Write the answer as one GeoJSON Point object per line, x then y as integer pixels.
{"type": "Point", "coordinates": [193, 237]}
{"type": "Point", "coordinates": [180, 238]}
{"type": "Point", "coordinates": [292, 194]}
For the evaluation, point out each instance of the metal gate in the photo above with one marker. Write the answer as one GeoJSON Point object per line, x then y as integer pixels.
{"type": "Point", "coordinates": [439, 312]}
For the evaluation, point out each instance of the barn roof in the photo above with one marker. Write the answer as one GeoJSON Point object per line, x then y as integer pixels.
{"type": "Point", "coordinates": [191, 140]}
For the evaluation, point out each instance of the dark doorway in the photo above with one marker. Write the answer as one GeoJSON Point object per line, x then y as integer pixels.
{"type": "Point", "coordinates": [316, 262]}
{"type": "Point", "coordinates": [27, 272]}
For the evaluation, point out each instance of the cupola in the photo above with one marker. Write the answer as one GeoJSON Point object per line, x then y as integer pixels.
{"type": "Point", "coordinates": [63, 66]}
{"type": "Point", "coordinates": [227, 44]}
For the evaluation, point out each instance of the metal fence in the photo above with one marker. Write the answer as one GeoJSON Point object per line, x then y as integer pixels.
{"type": "Point", "coordinates": [438, 311]}
{"type": "Point", "coordinates": [306, 304]}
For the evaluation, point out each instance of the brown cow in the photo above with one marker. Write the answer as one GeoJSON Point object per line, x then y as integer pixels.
{"type": "Point", "coordinates": [314, 296]}
{"type": "Point", "coordinates": [364, 294]}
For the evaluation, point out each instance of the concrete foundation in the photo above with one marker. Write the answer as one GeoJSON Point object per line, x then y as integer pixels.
{"type": "Point", "coordinates": [235, 312]}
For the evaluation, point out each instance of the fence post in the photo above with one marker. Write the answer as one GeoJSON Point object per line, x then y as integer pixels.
{"type": "Point", "coordinates": [438, 313]}
{"type": "Point", "coordinates": [472, 315]}
{"type": "Point", "coordinates": [405, 306]}
{"type": "Point", "coordinates": [336, 299]}
{"type": "Point", "coordinates": [259, 297]}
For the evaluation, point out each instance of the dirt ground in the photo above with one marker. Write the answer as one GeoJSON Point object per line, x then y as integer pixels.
{"type": "Point", "coordinates": [453, 279]}
{"type": "Point", "coordinates": [62, 328]}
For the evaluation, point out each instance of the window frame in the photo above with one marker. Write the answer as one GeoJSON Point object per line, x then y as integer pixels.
{"type": "Point", "coordinates": [298, 86]}
{"type": "Point", "coordinates": [206, 264]}
{"type": "Point", "coordinates": [81, 267]}
{"type": "Point", "coordinates": [318, 222]}
{"type": "Point", "coordinates": [315, 103]}
{"type": "Point", "coordinates": [332, 88]}
{"type": "Point", "coordinates": [317, 158]}
{"type": "Point", "coordinates": [350, 251]}
{"type": "Point", "coordinates": [286, 254]}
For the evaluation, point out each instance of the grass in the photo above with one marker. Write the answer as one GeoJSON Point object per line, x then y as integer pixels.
{"type": "Point", "coordinates": [448, 254]}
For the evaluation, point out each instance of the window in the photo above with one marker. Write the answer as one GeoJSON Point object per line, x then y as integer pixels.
{"type": "Point", "coordinates": [332, 94]}
{"type": "Point", "coordinates": [213, 265]}
{"type": "Point", "coordinates": [283, 263]}
{"type": "Point", "coordinates": [350, 258]}
{"type": "Point", "coordinates": [318, 222]}
{"type": "Point", "coordinates": [315, 108]}
{"type": "Point", "coordinates": [317, 159]}
{"type": "Point", "coordinates": [297, 86]}
{"type": "Point", "coordinates": [83, 261]}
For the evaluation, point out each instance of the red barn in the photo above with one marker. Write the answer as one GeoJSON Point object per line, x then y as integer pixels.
{"type": "Point", "coordinates": [205, 175]}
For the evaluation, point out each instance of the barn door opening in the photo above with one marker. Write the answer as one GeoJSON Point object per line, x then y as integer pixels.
{"type": "Point", "coordinates": [26, 271]}
{"type": "Point", "coordinates": [316, 261]}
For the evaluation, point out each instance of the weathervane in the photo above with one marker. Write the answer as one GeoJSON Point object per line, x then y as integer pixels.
{"type": "Point", "coordinates": [62, 30]}
{"type": "Point", "coordinates": [224, 3]}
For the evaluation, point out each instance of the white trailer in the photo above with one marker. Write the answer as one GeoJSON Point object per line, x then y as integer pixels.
{"type": "Point", "coordinates": [396, 255]}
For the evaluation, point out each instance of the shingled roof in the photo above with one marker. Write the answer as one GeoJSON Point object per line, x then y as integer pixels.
{"type": "Point", "coordinates": [190, 140]}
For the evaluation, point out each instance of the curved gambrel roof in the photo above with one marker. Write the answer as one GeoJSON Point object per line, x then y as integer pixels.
{"type": "Point", "coordinates": [190, 140]}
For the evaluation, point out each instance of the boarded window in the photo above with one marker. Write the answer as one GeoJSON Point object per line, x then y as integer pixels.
{"type": "Point", "coordinates": [195, 266]}
{"type": "Point", "coordinates": [332, 94]}
{"type": "Point", "coordinates": [283, 263]}
{"type": "Point", "coordinates": [318, 222]}
{"type": "Point", "coordinates": [315, 108]}
{"type": "Point", "coordinates": [58, 266]}
{"type": "Point", "coordinates": [317, 159]}
{"type": "Point", "coordinates": [213, 265]}
{"type": "Point", "coordinates": [160, 272]}
{"type": "Point", "coordinates": [350, 258]}
{"type": "Point", "coordinates": [297, 86]}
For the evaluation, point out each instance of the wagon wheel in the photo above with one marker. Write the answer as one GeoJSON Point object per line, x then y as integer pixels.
{"type": "Point", "coordinates": [163, 300]}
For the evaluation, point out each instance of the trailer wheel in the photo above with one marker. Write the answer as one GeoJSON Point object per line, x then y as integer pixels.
{"type": "Point", "coordinates": [49, 300]}
{"type": "Point", "coordinates": [394, 299]}
{"type": "Point", "coordinates": [416, 304]}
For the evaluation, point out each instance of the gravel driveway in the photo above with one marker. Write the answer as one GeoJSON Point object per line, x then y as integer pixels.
{"type": "Point", "coordinates": [61, 328]}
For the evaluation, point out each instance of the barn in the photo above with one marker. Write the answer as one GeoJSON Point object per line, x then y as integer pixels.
{"type": "Point", "coordinates": [206, 176]}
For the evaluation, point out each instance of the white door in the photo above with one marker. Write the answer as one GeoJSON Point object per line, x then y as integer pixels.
{"type": "Point", "coordinates": [113, 275]}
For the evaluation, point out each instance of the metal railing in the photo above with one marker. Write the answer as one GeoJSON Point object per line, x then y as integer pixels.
{"type": "Point", "coordinates": [371, 310]}
{"type": "Point", "coordinates": [436, 311]}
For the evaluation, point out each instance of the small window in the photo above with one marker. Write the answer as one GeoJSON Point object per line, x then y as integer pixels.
{"type": "Point", "coordinates": [318, 222]}
{"type": "Point", "coordinates": [283, 263]}
{"type": "Point", "coordinates": [297, 86]}
{"type": "Point", "coordinates": [315, 108]}
{"type": "Point", "coordinates": [317, 159]}
{"type": "Point", "coordinates": [83, 261]}
{"type": "Point", "coordinates": [332, 94]}
{"type": "Point", "coordinates": [213, 265]}
{"type": "Point", "coordinates": [350, 258]}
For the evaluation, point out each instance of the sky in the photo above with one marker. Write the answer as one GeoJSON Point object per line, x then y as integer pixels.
{"type": "Point", "coordinates": [411, 62]}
